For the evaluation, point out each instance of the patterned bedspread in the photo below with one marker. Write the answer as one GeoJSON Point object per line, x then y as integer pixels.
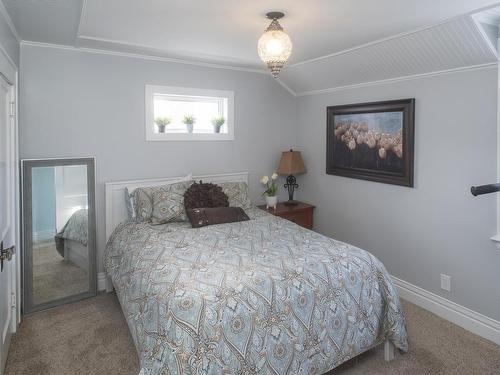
{"type": "Point", "coordinates": [76, 229]}
{"type": "Point", "coordinates": [263, 296]}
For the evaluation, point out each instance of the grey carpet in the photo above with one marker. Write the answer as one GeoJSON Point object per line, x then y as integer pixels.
{"type": "Point", "coordinates": [92, 337]}
{"type": "Point", "coordinates": [54, 277]}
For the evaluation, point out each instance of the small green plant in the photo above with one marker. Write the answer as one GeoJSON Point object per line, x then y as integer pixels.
{"type": "Point", "coordinates": [189, 120]}
{"type": "Point", "coordinates": [162, 122]}
{"type": "Point", "coordinates": [217, 122]}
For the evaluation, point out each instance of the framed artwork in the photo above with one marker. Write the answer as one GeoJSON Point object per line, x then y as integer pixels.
{"type": "Point", "coordinates": [372, 141]}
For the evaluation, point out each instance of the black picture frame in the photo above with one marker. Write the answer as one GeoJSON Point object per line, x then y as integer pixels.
{"type": "Point", "coordinates": [354, 149]}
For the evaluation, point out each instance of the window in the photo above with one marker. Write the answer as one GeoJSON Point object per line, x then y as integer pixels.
{"type": "Point", "coordinates": [188, 114]}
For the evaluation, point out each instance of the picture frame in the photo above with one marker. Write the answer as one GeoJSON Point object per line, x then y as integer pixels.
{"type": "Point", "coordinates": [372, 141]}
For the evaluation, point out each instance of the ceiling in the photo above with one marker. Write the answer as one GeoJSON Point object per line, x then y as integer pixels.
{"type": "Point", "coordinates": [226, 31]}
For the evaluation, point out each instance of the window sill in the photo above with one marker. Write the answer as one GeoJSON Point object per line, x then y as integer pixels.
{"type": "Point", "coordinates": [189, 137]}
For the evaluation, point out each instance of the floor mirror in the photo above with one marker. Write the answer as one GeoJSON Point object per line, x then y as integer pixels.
{"type": "Point", "coordinates": [59, 232]}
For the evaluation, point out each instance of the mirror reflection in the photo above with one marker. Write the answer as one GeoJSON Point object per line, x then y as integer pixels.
{"type": "Point", "coordinates": [60, 254]}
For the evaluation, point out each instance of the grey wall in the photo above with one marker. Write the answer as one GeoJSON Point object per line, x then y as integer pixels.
{"type": "Point", "coordinates": [437, 227]}
{"type": "Point", "coordinates": [8, 42]}
{"type": "Point", "coordinates": [82, 104]}
{"type": "Point", "coordinates": [79, 104]}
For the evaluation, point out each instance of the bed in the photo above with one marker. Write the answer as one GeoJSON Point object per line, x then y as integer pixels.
{"type": "Point", "coordinates": [263, 296]}
{"type": "Point", "coordinates": [71, 240]}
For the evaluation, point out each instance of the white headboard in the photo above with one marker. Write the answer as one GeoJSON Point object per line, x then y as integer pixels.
{"type": "Point", "coordinates": [116, 210]}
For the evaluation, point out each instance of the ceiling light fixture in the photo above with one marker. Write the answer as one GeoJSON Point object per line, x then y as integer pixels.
{"type": "Point", "coordinates": [274, 46]}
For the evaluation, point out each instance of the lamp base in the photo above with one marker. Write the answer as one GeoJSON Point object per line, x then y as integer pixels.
{"type": "Point", "coordinates": [291, 203]}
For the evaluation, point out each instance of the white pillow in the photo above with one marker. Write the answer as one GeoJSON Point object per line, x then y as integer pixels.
{"type": "Point", "coordinates": [129, 193]}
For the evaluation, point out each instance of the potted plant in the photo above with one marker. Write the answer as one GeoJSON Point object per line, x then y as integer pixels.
{"type": "Point", "coordinates": [189, 121]}
{"type": "Point", "coordinates": [217, 122]}
{"type": "Point", "coordinates": [161, 122]}
{"type": "Point", "coordinates": [271, 190]}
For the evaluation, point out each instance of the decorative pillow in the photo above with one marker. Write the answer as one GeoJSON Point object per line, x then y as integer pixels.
{"type": "Point", "coordinates": [168, 203]}
{"type": "Point", "coordinates": [139, 204]}
{"type": "Point", "coordinates": [204, 195]}
{"type": "Point", "coordinates": [160, 204]}
{"type": "Point", "coordinates": [201, 217]}
{"type": "Point", "coordinates": [237, 193]}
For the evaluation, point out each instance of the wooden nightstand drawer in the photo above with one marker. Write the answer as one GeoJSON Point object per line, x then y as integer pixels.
{"type": "Point", "coordinates": [301, 214]}
{"type": "Point", "coordinates": [303, 219]}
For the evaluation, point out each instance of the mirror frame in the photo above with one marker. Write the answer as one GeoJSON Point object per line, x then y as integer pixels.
{"type": "Point", "coordinates": [27, 166]}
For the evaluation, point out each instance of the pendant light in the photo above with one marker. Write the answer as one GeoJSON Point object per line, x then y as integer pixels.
{"type": "Point", "coordinates": [274, 46]}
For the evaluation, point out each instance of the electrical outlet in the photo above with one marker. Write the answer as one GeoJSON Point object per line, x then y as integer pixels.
{"type": "Point", "coordinates": [446, 282]}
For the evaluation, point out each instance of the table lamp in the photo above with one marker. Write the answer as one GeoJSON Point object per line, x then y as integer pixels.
{"type": "Point", "coordinates": [291, 163]}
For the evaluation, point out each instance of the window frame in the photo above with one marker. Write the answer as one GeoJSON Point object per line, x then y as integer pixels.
{"type": "Point", "coordinates": [151, 90]}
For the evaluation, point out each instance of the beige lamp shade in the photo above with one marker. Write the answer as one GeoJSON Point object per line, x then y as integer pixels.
{"type": "Point", "coordinates": [291, 163]}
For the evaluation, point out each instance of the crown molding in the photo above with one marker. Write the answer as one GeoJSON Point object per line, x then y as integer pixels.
{"type": "Point", "coordinates": [6, 16]}
{"type": "Point", "coordinates": [141, 56]}
{"type": "Point", "coordinates": [397, 79]}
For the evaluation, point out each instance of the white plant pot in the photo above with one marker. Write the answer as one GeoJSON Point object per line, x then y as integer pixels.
{"type": "Point", "coordinates": [271, 201]}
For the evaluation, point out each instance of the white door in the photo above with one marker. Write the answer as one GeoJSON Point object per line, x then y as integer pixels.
{"type": "Point", "coordinates": [7, 219]}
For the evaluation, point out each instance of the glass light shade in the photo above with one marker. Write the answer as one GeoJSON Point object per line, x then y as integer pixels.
{"type": "Point", "coordinates": [274, 47]}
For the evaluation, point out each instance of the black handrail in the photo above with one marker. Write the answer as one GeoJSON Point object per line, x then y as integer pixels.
{"type": "Point", "coordinates": [484, 189]}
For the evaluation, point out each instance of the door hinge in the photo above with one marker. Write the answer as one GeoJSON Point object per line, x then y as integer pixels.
{"type": "Point", "coordinates": [13, 301]}
{"type": "Point", "coordinates": [12, 112]}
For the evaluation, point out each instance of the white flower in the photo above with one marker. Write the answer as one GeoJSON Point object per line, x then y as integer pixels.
{"type": "Point", "coordinates": [264, 180]}
{"type": "Point", "coordinates": [274, 176]}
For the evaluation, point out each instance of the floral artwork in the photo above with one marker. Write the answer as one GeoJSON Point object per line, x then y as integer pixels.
{"type": "Point", "coordinates": [372, 141]}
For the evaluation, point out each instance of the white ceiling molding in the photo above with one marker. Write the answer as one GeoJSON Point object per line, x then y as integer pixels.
{"type": "Point", "coordinates": [9, 22]}
{"type": "Point", "coordinates": [493, 65]}
{"type": "Point", "coordinates": [141, 56]}
{"type": "Point", "coordinates": [448, 46]}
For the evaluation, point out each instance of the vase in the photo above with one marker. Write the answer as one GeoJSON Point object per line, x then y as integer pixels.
{"type": "Point", "coordinates": [189, 128]}
{"type": "Point", "coordinates": [217, 128]}
{"type": "Point", "coordinates": [271, 201]}
{"type": "Point", "coordinates": [161, 128]}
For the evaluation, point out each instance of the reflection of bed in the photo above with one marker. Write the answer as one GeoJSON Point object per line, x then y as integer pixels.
{"type": "Point", "coordinates": [71, 241]}
{"type": "Point", "coordinates": [260, 296]}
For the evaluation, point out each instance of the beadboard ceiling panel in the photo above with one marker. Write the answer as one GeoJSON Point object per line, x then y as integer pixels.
{"type": "Point", "coordinates": [456, 44]}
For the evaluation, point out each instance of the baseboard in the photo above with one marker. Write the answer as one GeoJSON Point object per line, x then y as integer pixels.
{"type": "Point", "coordinates": [101, 281]}
{"type": "Point", "coordinates": [462, 316]}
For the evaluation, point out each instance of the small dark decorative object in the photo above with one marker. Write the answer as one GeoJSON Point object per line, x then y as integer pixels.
{"type": "Point", "coordinates": [291, 164]}
{"type": "Point", "coordinates": [201, 217]}
{"type": "Point", "coordinates": [372, 141]}
{"type": "Point", "coordinates": [205, 195]}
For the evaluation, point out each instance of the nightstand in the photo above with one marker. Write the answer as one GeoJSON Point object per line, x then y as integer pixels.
{"type": "Point", "coordinates": [301, 214]}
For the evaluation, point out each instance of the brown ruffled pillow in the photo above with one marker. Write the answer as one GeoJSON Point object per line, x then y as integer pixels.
{"type": "Point", "coordinates": [201, 217]}
{"type": "Point", "coordinates": [201, 195]}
